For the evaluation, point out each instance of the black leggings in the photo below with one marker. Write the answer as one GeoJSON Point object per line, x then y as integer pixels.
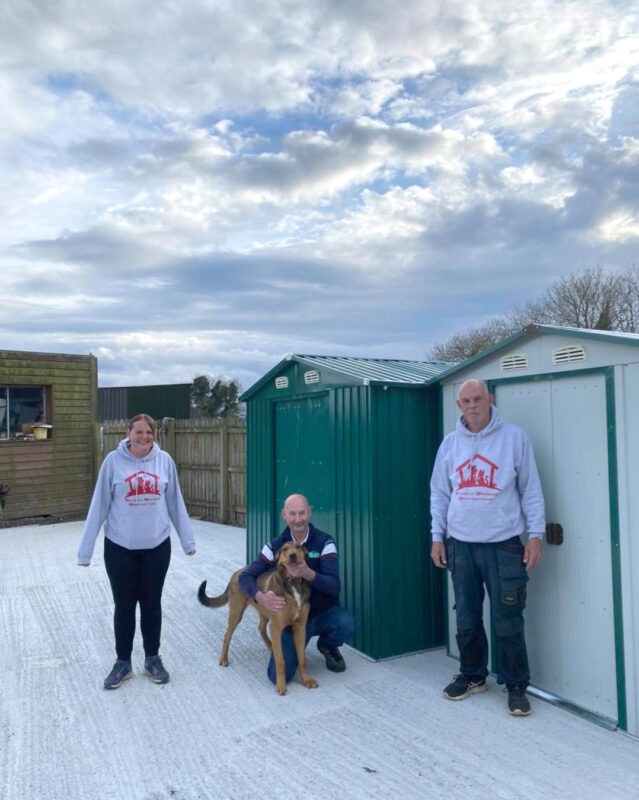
{"type": "Point", "coordinates": [137, 576]}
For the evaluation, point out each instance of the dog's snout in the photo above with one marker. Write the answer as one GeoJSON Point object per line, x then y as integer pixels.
{"type": "Point", "coordinates": [292, 558]}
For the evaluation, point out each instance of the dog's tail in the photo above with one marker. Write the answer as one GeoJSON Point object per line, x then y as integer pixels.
{"type": "Point", "coordinates": [212, 602]}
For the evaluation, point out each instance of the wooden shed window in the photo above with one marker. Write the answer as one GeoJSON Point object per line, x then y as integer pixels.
{"type": "Point", "coordinates": [20, 407]}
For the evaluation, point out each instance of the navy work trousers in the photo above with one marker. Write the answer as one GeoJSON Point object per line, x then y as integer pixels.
{"type": "Point", "coordinates": [499, 568]}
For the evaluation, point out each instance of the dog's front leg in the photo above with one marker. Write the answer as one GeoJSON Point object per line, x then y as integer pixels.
{"type": "Point", "coordinates": [278, 656]}
{"type": "Point", "coordinates": [263, 633]}
{"type": "Point", "coordinates": [299, 638]}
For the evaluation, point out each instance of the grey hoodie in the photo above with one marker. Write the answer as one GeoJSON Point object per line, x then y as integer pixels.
{"type": "Point", "coordinates": [485, 486]}
{"type": "Point", "coordinates": [136, 499]}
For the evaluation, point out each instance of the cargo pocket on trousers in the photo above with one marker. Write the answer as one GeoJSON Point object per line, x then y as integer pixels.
{"type": "Point", "coordinates": [513, 576]}
{"type": "Point", "coordinates": [449, 544]}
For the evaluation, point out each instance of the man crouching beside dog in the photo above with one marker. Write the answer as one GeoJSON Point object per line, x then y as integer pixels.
{"type": "Point", "coordinates": [327, 620]}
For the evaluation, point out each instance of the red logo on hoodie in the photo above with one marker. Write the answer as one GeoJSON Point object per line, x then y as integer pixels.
{"type": "Point", "coordinates": [143, 484]}
{"type": "Point", "coordinates": [476, 475]}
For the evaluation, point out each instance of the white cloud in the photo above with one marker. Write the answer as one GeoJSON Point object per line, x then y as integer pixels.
{"type": "Point", "coordinates": [355, 176]}
{"type": "Point", "coordinates": [618, 227]}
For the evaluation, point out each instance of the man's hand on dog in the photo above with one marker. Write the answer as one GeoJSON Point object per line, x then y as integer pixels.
{"type": "Point", "coordinates": [270, 600]}
{"type": "Point", "coordinates": [301, 570]}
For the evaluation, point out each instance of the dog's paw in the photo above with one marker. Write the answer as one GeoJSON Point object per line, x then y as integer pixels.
{"type": "Point", "coordinates": [280, 689]}
{"type": "Point", "coordinates": [224, 662]}
{"type": "Point", "coordinates": [310, 683]}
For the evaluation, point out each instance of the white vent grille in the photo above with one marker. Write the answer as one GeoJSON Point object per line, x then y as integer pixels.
{"type": "Point", "coordinates": [513, 362]}
{"type": "Point", "coordinates": [566, 355]}
{"type": "Point", "coordinates": [312, 376]}
{"type": "Point", "coordinates": [281, 382]}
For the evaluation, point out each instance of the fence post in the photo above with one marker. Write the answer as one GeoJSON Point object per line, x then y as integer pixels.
{"type": "Point", "coordinates": [170, 437]}
{"type": "Point", "coordinates": [98, 448]}
{"type": "Point", "coordinates": [224, 471]}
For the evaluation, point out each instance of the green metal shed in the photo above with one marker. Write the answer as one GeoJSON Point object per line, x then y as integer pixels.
{"type": "Point", "coordinates": [358, 438]}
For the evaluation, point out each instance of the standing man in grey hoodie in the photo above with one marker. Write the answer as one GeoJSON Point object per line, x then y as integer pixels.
{"type": "Point", "coordinates": [486, 493]}
{"type": "Point", "coordinates": [137, 496]}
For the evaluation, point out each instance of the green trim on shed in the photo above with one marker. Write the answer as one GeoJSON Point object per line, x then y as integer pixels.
{"type": "Point", "coordinates": [338, 370]}
{"type": "Point", "coordinates": [532, 331]}
{"type": "Point", "coordinates": [615, 554]}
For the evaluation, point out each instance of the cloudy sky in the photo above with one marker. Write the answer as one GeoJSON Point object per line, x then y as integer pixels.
{"type": "Point", "coordinates": [207, 185]}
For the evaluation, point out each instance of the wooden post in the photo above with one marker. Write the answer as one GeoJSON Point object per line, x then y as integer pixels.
{"type": "Point", "coordinates": [95, 413]}
{"type": "Point", "coordinates": [171, 439]}
{"type": "Point", "coordinates": [224, 471]}
{"type": "Point", "coordinates": [98, 452]}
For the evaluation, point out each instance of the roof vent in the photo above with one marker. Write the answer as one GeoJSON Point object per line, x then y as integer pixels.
{"type": "Point", "coordinates": [513, 362]}
{"type": "Point", "coordinates": [566, 355]}
{"type": "Point", "coordinates": [312, 376]}
{"type": "Point", "coordinates": [281, 382]}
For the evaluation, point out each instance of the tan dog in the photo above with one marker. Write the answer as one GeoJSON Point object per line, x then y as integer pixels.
{"type": "Point", "coordinates": [294, 614]}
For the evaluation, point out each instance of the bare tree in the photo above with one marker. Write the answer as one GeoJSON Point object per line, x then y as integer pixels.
{"type": "Point", "coordinates": [592, 298]}
{"type": "Point", "coordinates": [588, 299]}
{"type": "Point", "coordinates": [628, 312]}
{"type": "Point", "coordinates": [472, 341]}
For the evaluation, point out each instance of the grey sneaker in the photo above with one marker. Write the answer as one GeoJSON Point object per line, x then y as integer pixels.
{"type": "Point", "coordinates": [121, 672]}
{"type": "Point", "coordinates": [462, 686]}
{"type": "Point", "coordinates": [154, 668]}
{"type": "Point", "coordinates": [518, 704]}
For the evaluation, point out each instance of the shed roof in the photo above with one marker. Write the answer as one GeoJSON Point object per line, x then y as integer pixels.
{"type": "Point", "coordinates": [534, 330]}
{"type": "Point", "coordinates": [367, 371]}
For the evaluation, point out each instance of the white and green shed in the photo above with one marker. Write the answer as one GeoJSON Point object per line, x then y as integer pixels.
{"type": "Point", "coordinates": [575, 392]}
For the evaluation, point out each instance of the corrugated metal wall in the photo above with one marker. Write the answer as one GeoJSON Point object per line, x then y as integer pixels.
{"type": "Point", "coordinates": [113, 403]}
{"type": "Point", "coordinates": [123, 402]}
{"type": "Point", "coordinates": [386, 440]}
{"type": "Point", "coordinates": [354, 511]}
{"type": "Point", "coordinates": [262, 516]}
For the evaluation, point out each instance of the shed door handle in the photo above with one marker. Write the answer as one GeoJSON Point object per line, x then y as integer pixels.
{"type": "Point", "coordinates": [554, 533]}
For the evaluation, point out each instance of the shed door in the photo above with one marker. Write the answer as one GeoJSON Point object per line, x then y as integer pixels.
{"type": "Point", "coordinates": [304, 455]}
{"type": "Point", "coordinates": [570, 614]}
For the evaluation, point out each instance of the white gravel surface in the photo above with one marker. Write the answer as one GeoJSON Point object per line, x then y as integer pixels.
{"type": "Point", "coordinates": [379, 730]}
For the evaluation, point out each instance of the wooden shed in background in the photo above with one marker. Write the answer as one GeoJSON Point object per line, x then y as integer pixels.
{"type": "Point", "coordinates": [48, 405]}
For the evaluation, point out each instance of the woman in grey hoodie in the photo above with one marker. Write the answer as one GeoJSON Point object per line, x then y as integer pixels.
{"type": "Point", "coordinates": [137, 497]}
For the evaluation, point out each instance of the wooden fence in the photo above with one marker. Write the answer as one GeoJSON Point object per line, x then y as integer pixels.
{"type": "Point", "coordinates": [210, 455]}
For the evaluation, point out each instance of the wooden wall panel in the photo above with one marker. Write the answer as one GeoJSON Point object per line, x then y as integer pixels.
{"type": "Point", "coordinates": [53, 477]}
